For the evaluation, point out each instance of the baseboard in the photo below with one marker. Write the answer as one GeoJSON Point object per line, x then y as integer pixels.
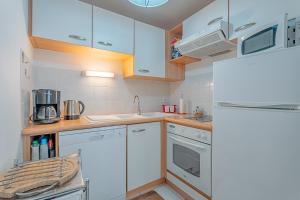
{"type": "Point", "coordinates": [185, 188]}
{"type": "Point", "coordinates": [144, 188]}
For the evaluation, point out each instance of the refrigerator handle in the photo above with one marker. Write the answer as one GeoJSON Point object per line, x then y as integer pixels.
{"type": "Point", "coordinates": [260, 106]}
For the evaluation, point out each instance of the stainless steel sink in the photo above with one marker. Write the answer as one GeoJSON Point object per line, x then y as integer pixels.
{"type": "Point", "coordinates": [96, 118]}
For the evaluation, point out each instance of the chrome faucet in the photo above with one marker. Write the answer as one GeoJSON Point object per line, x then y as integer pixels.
{"type": "Point", "coordinates": [136, 98]}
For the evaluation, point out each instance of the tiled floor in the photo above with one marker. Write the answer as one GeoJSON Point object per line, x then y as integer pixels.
{"type": "Point", "coordinates": [167, 193]}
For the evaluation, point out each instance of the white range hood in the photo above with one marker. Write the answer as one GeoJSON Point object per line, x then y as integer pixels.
{"type": "Point", "coordinates": [210, 42]}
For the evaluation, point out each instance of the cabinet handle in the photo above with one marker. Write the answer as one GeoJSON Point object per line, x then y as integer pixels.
{"type": "Point", "coordinates": [77, 37]}
{"type": "Point", "coordinates": [96, 137]}
{"type": "Point", "coordinates": [139, 130]}
{"type": "Point", "coordinates": [214, 21]}
{"type": "Point", "coordinates": [144, 70]}
{"type": "Point", "coordinates": [200, 147]}
{"type": "Point", "coordinates": [244, 27]}
{"type": "Point", "coordinates": [105, 43]}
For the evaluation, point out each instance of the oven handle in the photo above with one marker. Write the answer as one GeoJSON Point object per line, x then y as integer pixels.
{"type": "Point", "coordinates": [188, 143]}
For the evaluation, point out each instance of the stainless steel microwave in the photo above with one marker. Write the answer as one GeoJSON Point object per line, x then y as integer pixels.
{"type": "Point", "coordinates": [264, 38]}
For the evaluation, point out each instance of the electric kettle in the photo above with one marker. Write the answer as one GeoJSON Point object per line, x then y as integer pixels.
{"type": "Point", "coordinates": [72, 109]}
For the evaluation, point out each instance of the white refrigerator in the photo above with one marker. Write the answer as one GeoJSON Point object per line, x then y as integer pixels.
{"type": "Point", "coordinates": [256, 127]}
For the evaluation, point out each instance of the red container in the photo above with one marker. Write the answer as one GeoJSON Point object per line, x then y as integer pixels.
{"type": "Point", "coordinates": [163, 108]}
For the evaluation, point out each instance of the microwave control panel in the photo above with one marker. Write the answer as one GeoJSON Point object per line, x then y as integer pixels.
{"type": "Point", "coordinates": [293, 32]}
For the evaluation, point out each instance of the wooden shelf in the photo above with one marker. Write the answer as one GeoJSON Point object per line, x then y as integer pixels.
{"type": "Point", "coordinates": [184, 60]}
{"type": "Point", "coordinates": [177, 30]}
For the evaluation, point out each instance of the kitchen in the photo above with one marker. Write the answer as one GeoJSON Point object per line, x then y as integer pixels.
{"type": "Point", "coordinates": [150, 99]}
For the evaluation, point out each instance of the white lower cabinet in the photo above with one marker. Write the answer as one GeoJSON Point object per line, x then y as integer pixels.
{"type": "Point", "coordinates": [144, 154]}
{"type": "Point", "coordinates": [103, 152]}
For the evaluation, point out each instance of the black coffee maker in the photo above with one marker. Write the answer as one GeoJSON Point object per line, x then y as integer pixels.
{"type": "Point", "coordinates": [46, 106]}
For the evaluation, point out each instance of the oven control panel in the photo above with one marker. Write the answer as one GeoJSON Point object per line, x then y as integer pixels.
{"type": "Point", "coordinates": [188, 132]}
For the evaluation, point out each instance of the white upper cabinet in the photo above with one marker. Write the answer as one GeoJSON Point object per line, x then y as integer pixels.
{"type": "Point", "coordinates": [215, 11]}
{"type": "Point", "coordinates": [149, 50]}
{"type": "Point", "coordinates": [244, 13]}
{"type": "Point", "coordinates": [112, 31]}
{"type": "Point", "coordinates": [63, 20]}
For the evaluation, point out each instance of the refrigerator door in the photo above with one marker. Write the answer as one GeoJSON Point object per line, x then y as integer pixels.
{"type": "Point", "coordinates": [267, 79]}
{"type": "Point", "coordinates": [255, 154]}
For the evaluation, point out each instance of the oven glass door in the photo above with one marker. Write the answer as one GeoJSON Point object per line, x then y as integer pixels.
{"type": "Point", "coordinates": [190, 160]}
{"type": "Point", "coordinates": [187, 159]}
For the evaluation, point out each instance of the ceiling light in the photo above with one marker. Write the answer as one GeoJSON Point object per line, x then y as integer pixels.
{"type": "Point", "coordinates": [98, 74]}
{"type": "Point", "coordinates": [148, 3]}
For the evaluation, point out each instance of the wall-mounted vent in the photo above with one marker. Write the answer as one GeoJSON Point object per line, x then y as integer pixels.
{"type": "Point", "coordinates": [207, 43]}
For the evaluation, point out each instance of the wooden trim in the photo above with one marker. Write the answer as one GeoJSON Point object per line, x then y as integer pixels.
{"type": "Point", "coordinates": [184, 60]}
{"type": "Point", "coordinates": [191, 186]}
{"type": "Point", "coordinates": [126, 158]}
{"type": "Point", "coordinates": [163, 131]}
{"type": "Point", "coordinates": [177, 30]}
{"type": "Point", "coordinates": [57, 144]}
{"type": "Point", "coordinates": [26, 148]}
{"type": "Point", "coordinates": [139, 77]}
{"type": "Point", "coordinates": [183, 194]}
{"type": "Point", "coordinates": [93, 53]}
{"type": "Point", "coordinates": [174, 72]}
{"type": "Point", "coordinates": [145, 188]}
{"type": "Point", "coordinates": [30, 4]}
{"type": "Point", "coordinates": [191, 123]}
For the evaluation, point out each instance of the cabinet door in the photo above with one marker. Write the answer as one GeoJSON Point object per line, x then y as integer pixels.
{"type": "Point", "coordinates": [149, 50]}
{"type": "Point", "coordinates": [244, 12]}
{"type": "Point", "coordinates": [63, 20]}
{"type": "Point", "coordinates": [144, 154]}
{"type": "Point", "coordinates": [103, 159]}
{"type": "Point", "coordinates": [112, 31]}
{"type": "Point", "coordinates": [215, 11]}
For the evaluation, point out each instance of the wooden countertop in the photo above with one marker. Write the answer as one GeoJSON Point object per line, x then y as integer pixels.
{"type": "Point", "coordinates": [191, 123]}
{"type": "Point", "coordinates": [83, 123]}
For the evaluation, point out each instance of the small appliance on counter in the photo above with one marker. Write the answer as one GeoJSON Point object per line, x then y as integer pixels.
{"type": "Point", "coordinates": [72, 109]}
{"type": "Point", "coordinates": [46, 106]}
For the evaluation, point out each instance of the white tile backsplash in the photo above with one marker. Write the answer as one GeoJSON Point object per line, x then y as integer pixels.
{"type": "Point", "coordinates": [62, 71]}
{"type": "Point", "coordinates": [197, 88]}
{"type": "Point", "coordinates": [101, 96]}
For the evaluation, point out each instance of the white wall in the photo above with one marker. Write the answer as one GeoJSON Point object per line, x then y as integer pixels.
{"type": "Point", "coordinates": [13, 37]}
{"type": "Point", "coordinates": [197, 88]}
{"type": "Point", "coordinates": [61, 71]}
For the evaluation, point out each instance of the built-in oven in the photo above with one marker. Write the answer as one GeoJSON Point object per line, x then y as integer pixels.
{"type": "Point", "coordinates": [189, 156]}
